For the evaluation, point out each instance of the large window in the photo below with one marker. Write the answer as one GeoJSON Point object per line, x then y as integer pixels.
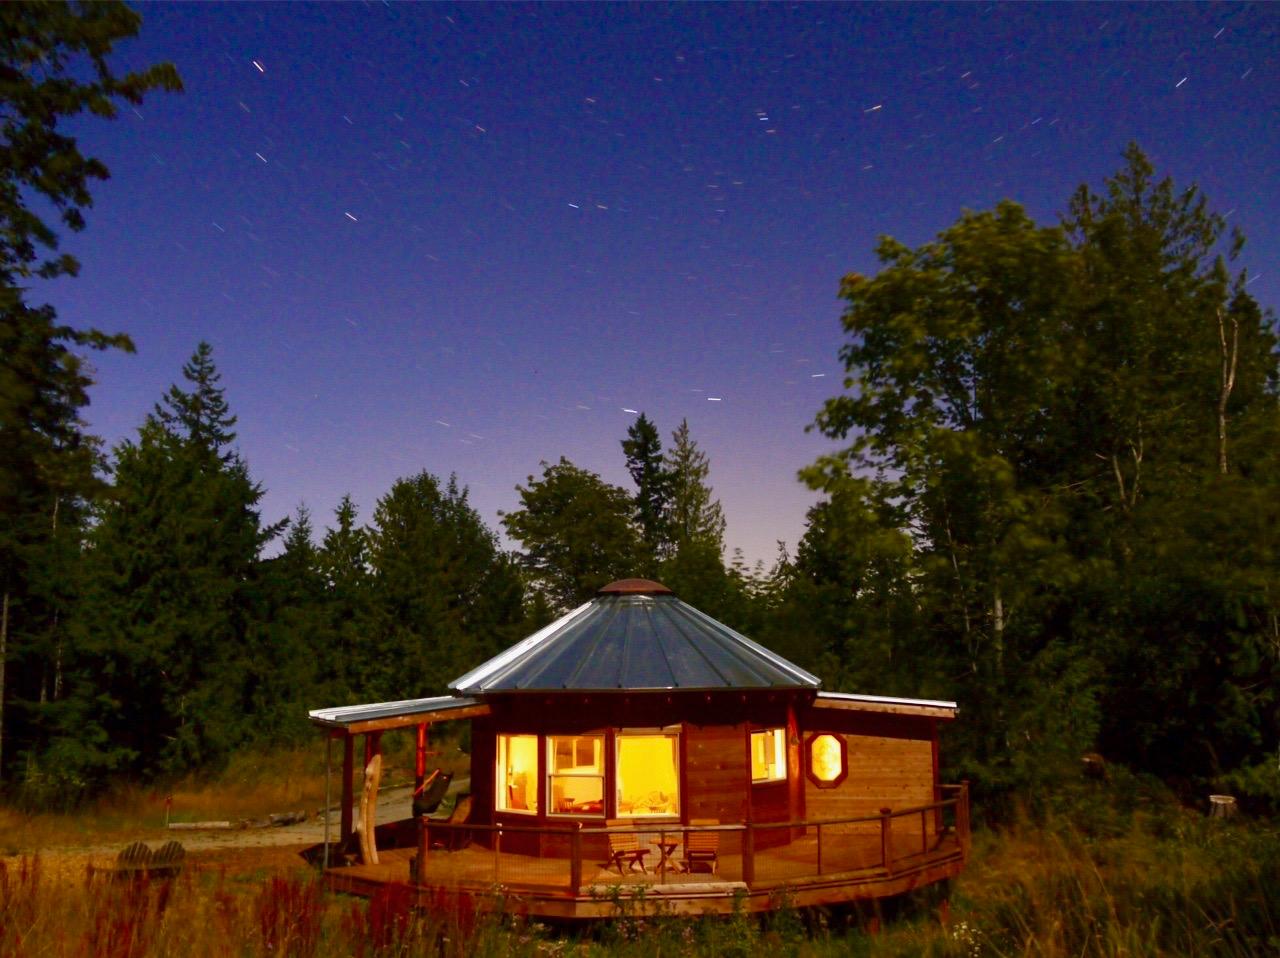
{"type": "Point", "coordinates": [575, 771]}
{"type": "Point", "coordinates": [768, 755]}
{"type": "Point", "coordinates": [648, 773]}
{"type": "Point", "coordinates": [518, 773]}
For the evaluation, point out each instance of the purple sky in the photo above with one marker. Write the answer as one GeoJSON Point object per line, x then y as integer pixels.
{"type": "Point", "coordinates": [468, 238]}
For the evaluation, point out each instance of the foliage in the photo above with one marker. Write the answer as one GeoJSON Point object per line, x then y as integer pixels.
{"type": "Point", "coordinates": [167, 655]}
{"type": "Point", "coordinates": [444, 597]}
{"type": "Point", "coordinates": [1063, 469]}
{"type": "Point", "coordinates": [577, 532]}
{"type": "Point", "coordinates": [53, 66]}
{"type": "Point", "coordinates": [643, 450]}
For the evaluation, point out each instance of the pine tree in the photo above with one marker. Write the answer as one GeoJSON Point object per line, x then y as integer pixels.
{"type": "Point", "coordinates": [643, 449]}
{"type": "Point", "coordinates": [168, 661]}
{"type": "Point", "coordinates": [54, 64]}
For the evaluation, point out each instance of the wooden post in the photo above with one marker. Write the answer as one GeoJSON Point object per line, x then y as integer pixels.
{"type": "Point", "coordinates": [886, 840]}
{"type": "Point", "coordinates": [749, 856]}
{"type": "Point", "coordinates": [328, 801]}
{"type": "Point", "coordinates": [575, 860]}
{"type": "Point", "coordinates": [962, 818]}
{"type": "Point", "coordinates": [497, 853]}
{"type": "Point", "coordinates": [420, 759]}
{"type": "Point", "coordinates": [424, 842]}
{"type": "Point", "coordinates": [348, 769]}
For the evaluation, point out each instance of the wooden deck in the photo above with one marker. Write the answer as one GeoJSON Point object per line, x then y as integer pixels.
{"type": "Point", "coordinates": [828, 863]}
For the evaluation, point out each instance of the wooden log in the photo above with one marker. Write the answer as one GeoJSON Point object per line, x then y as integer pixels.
{"type": "Point", "coordinates": [369, 810]}
{"type": "Point", "coordinates": [199, 826]}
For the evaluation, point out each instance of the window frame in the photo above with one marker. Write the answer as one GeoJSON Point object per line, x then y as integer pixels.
{"type": "Point", "coordinates": [674, 732]}
{"type": "Point", "coordinates": [601, 741]}
{"type": "Point", "coordinates": [501, 784]}
{"type": "Point", "coordinates": [778, 736]}
{"type": "Point", "coordinates": [844, 759]}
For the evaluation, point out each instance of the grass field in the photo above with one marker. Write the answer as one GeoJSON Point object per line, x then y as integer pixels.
{"type": "Point", "coordinates": [1097, 877]}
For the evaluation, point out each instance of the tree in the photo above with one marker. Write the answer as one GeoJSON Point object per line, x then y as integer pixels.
{"type": "Point", "coordinates": [577, 532]}
{"type": "Point", "coordinates": [694, 567]}
{"type": "Point", "coordinates": [643, 449]}
{"type": "Point", "coordinates": [444, 595]}
{"type": "Point", "coordinates": [169, 656]}
{"type": "Point", "coordinates": [1040, 412]}
{"type": "Point", "coordinates": [693, 515]}
{"type": "Point", "coordinates": [347, 581]}
{"type": "Point", "coordinates": [53, 65]}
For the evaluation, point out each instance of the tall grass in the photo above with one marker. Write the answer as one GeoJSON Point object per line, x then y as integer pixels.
{"type": "Point", "coordinates": [1160, 887]}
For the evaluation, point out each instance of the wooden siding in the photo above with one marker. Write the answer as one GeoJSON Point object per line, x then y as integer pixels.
{"type": "Point", "coordinates": [891, 764]}
{"type": "Point", "coordinates": [717, 775]}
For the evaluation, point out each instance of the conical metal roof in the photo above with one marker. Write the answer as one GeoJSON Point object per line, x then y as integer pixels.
{"type": "Point", "coordinates": [635, 635]}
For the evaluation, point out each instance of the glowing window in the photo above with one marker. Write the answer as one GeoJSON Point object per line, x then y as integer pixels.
{"type": "Point", "coordinates": [518, 773]}
{"type": "Point", "coordinates": [828, 764]}
{"type": "Point", "coordinates": [648, 773]}
{"type": "Point", "coordinates": [768, 756]}
{"type": "Point", "coordinates": [575, 770]}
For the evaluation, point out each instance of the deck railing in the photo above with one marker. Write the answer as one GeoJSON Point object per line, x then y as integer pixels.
{"type": "Point", "coordinates": [755, 854]}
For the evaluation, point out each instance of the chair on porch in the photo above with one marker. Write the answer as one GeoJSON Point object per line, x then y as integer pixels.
{"type": "Point", "coordinates": [624, 848]}
{"type": "Point", "coordinates": [452, 839]}
{"type": "Point", "coordinates": [701, 848]}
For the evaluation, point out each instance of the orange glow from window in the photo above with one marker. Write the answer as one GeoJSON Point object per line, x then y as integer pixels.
{"type": "Point", "coordinates": [826, 758]}
{"type": "Point", "coordinates": [648, 774]}
{"type": "Point", "coordinates": [517, 773]}
{"type": "Point", "coordinates": [768, 756]}
{"type": "Point", "coordinates": [575, 767]}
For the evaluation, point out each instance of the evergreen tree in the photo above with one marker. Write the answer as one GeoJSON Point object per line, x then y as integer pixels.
{"type": "Point", "coordinates": [347, 582]}
{"type": "Point", "coordinates": [694, 568]}
{"type": "Point", "coordinates": [169, 661]}
{"type": "Point", "coordinates": [444, 595]}
{"type": "Point", "coordinates": [53, 65]}
{"type": "Point", "coordinates": [643, 449]}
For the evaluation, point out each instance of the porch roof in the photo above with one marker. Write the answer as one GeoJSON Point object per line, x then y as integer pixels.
{"type": "Point", "coordinates": [376, 716]}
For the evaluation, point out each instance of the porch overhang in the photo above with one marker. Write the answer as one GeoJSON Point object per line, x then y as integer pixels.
{"type": "Point", "coordinates": [844, 701]}
{"type": "Point", "coordinates": [380, 716]}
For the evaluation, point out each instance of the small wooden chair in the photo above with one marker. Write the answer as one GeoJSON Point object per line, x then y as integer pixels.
{"type": "Point", "coordinates": [452, 839]}
{"type": "Point", "coordinates": [701, 848]}
{"type": "Point", "coordinates": [624, 847]}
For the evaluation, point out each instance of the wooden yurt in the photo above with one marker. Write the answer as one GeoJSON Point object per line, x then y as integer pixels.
{"type": "Point", "coordinates": [638, 744]}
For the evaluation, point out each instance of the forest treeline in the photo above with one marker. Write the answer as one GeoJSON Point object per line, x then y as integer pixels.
{"type": "Point", "coordinates": [1056, 504]}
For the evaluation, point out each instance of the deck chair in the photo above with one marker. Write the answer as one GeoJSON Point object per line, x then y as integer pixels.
{"type": "Point", "coordinates": [428, 798]}
{"type": "Point", "coordinates": [624, 848]}
{"type": "Point", "coordinates": [167, 859]}
{"type": "Point", "coordinates": [451, 839]}
{"type": "Point", "coordinates": [701, 849]}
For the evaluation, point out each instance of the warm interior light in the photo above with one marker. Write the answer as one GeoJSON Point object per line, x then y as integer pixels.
{"type": "Point", "coordinates": [517, 773]}
{"type": "Point", "coordinates": [575, 765]}
{"type": "Point", "coordinates": [648, 774]}
{"type": "Point", "coordinates": [826, 758]}
{"type": "Point", "coordinates": [768, 756]}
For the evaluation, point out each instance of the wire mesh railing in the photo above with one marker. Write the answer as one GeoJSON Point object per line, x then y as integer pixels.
{"type": "Point", "coordinates": [578, 858]}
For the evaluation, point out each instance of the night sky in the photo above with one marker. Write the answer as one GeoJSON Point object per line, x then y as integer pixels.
{"type": "Point", "coordinates": [468, 238]}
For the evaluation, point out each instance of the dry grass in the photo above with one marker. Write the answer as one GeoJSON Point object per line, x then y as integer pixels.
{"type": "Point", "coordinates": [252, 786]}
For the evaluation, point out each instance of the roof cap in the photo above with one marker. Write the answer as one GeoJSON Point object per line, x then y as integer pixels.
{"type": "Point", "coordinates": [635, 587]}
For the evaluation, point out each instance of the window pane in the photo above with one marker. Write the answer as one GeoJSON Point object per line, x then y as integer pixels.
{"type": "Point", "coordinates": [518, 773]}
{"type": "Point", "coordinates": [826, 758]}
{"type": "Point", "coordinates": [576, 774]}
{"type": "Point", "coordinates": [648, 774]}
{"type": "Point", "coordinates": [768, 756]}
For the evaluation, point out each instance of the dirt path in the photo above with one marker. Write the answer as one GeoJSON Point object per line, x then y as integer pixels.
{"type": "Point", "coordinates": [238, 847]}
